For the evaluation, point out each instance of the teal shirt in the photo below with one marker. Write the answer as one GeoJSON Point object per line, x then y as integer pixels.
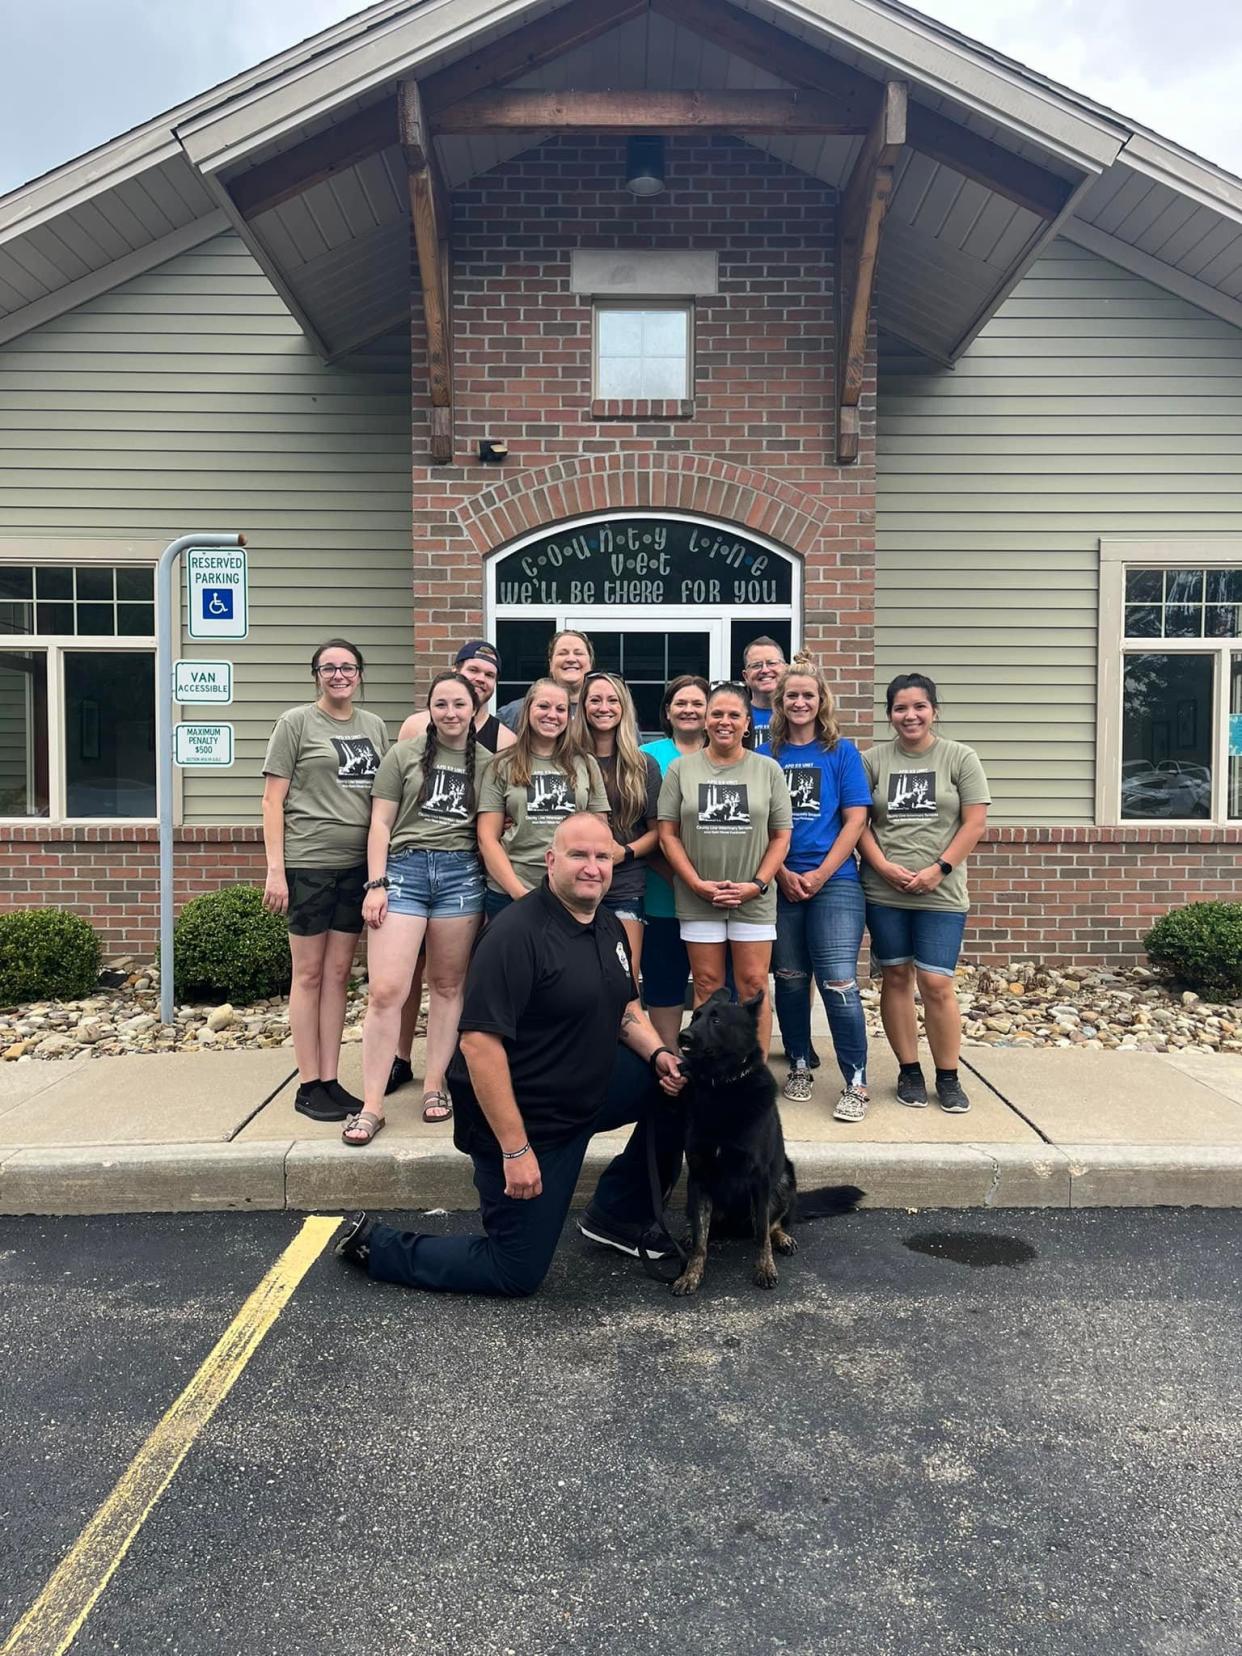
{"type": "Point", "coordinates": [659, 898]}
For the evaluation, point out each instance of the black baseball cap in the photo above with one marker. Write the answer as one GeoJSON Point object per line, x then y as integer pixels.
{"type": "Point", "coordinates": [478, 647]}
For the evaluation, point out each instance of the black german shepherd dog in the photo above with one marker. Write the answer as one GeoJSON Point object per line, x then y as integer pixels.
{"type": "Point", "coordinates": [739, 1174]}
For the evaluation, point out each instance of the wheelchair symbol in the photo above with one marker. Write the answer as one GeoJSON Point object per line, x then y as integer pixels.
{"type": "Point", "coordinates": [217, 604]}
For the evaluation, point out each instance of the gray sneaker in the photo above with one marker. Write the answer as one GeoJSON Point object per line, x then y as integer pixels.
{"type": "Point", "coordinates": [799, 1085]}
{"type": "Point", "coordinates": [952, 1098]}
{"type": "Point", "coordinates": [852, 1105]}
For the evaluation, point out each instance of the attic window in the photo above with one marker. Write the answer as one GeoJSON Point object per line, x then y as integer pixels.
{"type": "Point", "coordinates": [642, 352]}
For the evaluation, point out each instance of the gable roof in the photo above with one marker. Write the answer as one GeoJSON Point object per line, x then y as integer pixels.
{"type": "Point", "coordinates": [337, 251]}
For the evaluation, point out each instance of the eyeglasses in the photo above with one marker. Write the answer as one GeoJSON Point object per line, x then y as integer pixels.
{"type": "Point", "coordinates": [731, 684]}
{"type": "Point", "coordinates": [345, 670]}
{"type": "Point", "coordinates": [759, 666]}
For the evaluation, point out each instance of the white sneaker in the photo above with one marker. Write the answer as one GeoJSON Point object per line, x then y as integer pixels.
{"type": "Point", "coordinates": [799, 1085]}
{"type": "Point", "coordinates": [852, 1105]}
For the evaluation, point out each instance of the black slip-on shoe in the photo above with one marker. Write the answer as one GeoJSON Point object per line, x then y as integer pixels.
{"type": "Point", "coordinates": [353, 1243]}
{"type": "Point", "coordinates": [399, 1075]}
{"type": "Point", "coordinates": [339, 1095]}
{"type": "Point", "coordinates": [634, 1240]}
{"type": "Point", "coordinates": [318, 1103]}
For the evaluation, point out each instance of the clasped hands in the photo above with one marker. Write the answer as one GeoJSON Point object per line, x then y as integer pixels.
{"type": "Point", "coordinates": [914, 884]}
{"type": "Point", "coordinates": [727, 894]}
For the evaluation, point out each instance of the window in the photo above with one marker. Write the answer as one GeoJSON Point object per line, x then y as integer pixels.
{"type": "Point", "coordinates": [642, 352]}
{"type": "Point", "coordinates": [1170, 727]}
{"type": "Point", "coordinates": [77, 690]}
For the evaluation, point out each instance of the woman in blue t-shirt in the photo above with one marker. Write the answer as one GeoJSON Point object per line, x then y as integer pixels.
{"type": "Point", "coordinates": [820, 907]}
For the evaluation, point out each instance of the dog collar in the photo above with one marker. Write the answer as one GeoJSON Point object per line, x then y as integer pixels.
{"type": "Point", "coordinates": [728, 1080]}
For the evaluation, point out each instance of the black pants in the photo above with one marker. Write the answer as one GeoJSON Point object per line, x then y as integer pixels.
{"type": "Point", "coordinates": [519, 1238]}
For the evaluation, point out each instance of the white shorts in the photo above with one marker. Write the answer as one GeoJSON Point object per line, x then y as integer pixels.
{"type": "Point", "coordinates": [727, 930]}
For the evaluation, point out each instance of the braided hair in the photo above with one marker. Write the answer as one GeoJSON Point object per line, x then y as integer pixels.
{"type": "Point", "coordinates": [431, 739]}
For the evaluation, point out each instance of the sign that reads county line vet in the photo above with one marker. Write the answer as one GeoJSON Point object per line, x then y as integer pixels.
{"type": "Point", "coordinates": [216, 590]}
{"type": "Point", "coordinates": [204, 682]}
{"type": "Point", "coordinates": [203, 744]}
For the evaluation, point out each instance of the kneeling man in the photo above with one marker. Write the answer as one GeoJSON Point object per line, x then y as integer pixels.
{"type": "Point", "coordinates": [554, 1047]}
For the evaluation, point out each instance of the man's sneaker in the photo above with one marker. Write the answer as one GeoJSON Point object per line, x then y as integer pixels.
{"type": "Point", "coordinates": [354, 1241]}
{"type": "Point", "coordinates": [799, 1085]}
{"type": "Point", "coordinates": [852, 1105]}
{"type": "Point", "coordinates": [635, 1240]}
{"type": "Point", "coordinates": [952, 1098]}
{"type": "Point", "coordinates": [318, 1103]}
{"type": "Point", "coordinates": [399, 1075]}
{"type": "Point", "coordinates": [912, 1089]}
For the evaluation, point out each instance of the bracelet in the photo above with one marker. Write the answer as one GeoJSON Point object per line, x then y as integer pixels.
{"type": "Point", "coordinates": [651, 1062]}
{"type": "Point", "coordinates": [512, 1155]}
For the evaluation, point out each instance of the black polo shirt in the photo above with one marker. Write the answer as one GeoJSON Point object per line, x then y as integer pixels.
{"type": "Point", "coordinates": [554, 991]}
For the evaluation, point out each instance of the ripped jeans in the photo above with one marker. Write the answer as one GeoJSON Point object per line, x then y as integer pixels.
{"type": "Point", "coordinates": [822, 937]}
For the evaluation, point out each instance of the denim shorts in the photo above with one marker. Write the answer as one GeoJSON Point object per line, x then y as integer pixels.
{"type": "Point", "coordinates": [931, 938]}
{"type": "Point", "coordinates": [627, 908]}
{"type": "Point", "coordinates": [435, 885]}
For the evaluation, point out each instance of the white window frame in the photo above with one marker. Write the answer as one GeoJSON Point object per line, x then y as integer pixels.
{"type": "Point", "coordinates": [685, 305]}
{"type": "Point", "coordinates": [1116, 557]}
{"type": "Point", "coordinates": [117, 555]}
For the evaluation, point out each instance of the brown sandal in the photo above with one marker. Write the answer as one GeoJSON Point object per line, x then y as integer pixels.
{"type": "Point", "coordinates": [367, 1122]}
{"type": "Point", "coordinates": [441, 1104]}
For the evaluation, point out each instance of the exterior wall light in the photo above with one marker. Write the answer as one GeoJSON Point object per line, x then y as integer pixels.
{"type": "Point", "coordinates": [492, 454]}
{"type": "Point", "coordinates": [644, 166]}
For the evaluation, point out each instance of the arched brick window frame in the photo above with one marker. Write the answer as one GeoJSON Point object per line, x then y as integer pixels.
{"type": "Point", "coordinates": [832, 532]}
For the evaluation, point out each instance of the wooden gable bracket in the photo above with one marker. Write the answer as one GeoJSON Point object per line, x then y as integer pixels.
{"type": "Point", "coordinates": [429, 216]}
{"type": "Point", "coordinates": [664, 111]}
{"type": "Point", "coordinates": [864, 202]}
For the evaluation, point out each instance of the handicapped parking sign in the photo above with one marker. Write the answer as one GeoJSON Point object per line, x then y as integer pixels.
{"type": "Point", "coordinates": [216, 588]}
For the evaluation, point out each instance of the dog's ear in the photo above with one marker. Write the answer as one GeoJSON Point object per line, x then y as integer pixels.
{"type": "Point", "coordinates": [718, 997]}
{"type": "Point", "coordinates": [753, 1004]}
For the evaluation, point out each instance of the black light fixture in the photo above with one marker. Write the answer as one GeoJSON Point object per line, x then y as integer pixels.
{"type": "Point", "coordinates": [644, 166]}
{"type": "Point", "coordinates": [492, 453]}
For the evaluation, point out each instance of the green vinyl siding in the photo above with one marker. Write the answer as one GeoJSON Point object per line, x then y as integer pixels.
{"type": "Point", "coordinates": [188, 399]}
{"type": "Point", "coordinates": [1092, 405]}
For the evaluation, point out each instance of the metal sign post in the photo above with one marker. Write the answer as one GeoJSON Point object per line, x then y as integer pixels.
{"type": "Point", "coordinates": [228, 593]}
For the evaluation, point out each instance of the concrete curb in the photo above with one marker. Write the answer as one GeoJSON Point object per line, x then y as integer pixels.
{"type": "Point", "coordinates": [314, 1174]}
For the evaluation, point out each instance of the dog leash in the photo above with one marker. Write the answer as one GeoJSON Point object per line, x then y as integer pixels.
{"type": "Point", "coordinates": [660, 1224]}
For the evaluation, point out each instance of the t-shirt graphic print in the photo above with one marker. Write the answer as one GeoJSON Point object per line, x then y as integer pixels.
{"type": "Point", "coordinates": [912, 794]}
{"type": "Point", "coordinates": [446, 795]}
{"type": "Point", "coordinates": [550, 797]}
{"type": "Point", "coordinates": [357, 761]}
{"type": "Point", "coordinates": [806, 785]}
{"type": "Point", "coordinates": [724, 808]}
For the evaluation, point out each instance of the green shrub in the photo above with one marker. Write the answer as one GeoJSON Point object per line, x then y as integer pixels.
{"type": "Point", "coordinates": [1200, 945]}
{"type": "Point", "coordinates": [46, 953]}
{"type": "Point", "coordinates": [225, 943]}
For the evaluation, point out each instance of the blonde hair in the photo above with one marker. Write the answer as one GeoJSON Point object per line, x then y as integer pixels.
{"type": "Point", "coordinates": [627, 786]}
{"type": "Point", "coordinates": [513, 764]}
{"type": "Point", "coordinates": [827, 730]}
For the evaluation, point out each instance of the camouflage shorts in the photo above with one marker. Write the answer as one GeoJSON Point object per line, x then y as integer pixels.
{"type": "Point", "coordinates": [325, 899]}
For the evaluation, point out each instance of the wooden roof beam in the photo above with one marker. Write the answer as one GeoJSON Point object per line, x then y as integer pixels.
{"type": "Point", "coordinates": [310, 162]}
{"type": "Point", "coordinates": [998, 169]}
{"type": "Point", "coordinates": [429, 215]}
{"type": "Point", "coordinates": [629, 112]}
{"type": "Point", "coordinates": [863, 205]}
{"type": "Point", "coordinates": [526, 49]}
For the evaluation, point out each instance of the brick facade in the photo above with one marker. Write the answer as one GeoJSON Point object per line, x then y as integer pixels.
{"type": "Point", "coordinates": [1073, 895]}
{"type": "Point", "coordinates": [753, 448]}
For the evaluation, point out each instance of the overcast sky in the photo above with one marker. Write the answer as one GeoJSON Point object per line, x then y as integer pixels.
{"type": "Point", "coordinates": [76, 72]}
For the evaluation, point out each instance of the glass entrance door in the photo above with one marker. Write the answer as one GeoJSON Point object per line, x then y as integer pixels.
{"type": "Point", "coordinates": [648, 653]}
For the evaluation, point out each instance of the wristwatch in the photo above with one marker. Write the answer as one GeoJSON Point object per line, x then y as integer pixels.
{"type": "Point", "coordinates": [629, 854]}
{"type": "Point", "coordinates": [760, 885]}
{"type": "Point", "coordinates": [382, 884]}
{"type": "Point", "coordinates": [944, 867]}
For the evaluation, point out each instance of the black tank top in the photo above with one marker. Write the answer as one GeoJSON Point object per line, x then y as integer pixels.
{"type": "Point", "coordinates": [488, 733]}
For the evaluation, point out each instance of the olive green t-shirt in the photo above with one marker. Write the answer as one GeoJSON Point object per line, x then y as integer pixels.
{"type": "Point", "coordinates": [330, 764]}
{"type": "Point", "coordinates": [726, 814]}
{"type": "Point", "coordinates": [916, 808]}
{"type": "Point", "coordinates": [442, 822]}
{"type": "Point", "coordinates": [537, 810]}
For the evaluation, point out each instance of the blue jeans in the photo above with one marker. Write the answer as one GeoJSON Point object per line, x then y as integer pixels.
{"type": "Point", "coordinates": [822, 937]}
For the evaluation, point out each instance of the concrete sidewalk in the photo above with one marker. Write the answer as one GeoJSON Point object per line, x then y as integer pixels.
{"type": "Point", "coordinates": [193, 1131]}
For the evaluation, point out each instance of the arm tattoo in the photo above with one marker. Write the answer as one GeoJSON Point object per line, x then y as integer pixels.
{"type": "Point", "coordinates": [628, 1019]}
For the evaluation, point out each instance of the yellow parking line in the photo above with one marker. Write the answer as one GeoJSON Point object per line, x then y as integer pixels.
{"type": "Point", "coordinates": [51, 1624]}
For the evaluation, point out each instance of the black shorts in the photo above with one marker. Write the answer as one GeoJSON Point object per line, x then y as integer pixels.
{"type": "Point", "coordinates": [325, 899]}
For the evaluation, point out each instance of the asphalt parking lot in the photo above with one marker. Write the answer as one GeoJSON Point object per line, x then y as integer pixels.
{"type": "Point", "coordinates": [967, 1432]}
